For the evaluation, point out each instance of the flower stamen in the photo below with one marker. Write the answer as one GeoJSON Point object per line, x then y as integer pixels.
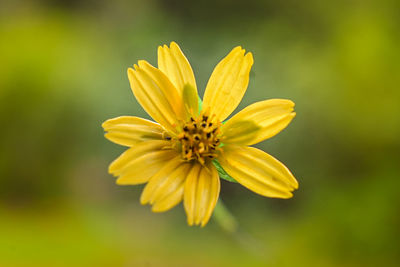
{"type": "Point", "coordinates": [199, 139]}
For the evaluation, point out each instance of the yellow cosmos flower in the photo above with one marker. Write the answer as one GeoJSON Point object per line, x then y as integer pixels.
{"type": "Point", "coordinates": [181, 155]}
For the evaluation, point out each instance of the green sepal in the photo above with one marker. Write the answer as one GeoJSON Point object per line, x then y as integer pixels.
{"type": "Point", "coordinates": [200, 104]}
{"type": "Point", "coordinates": [222, 173]}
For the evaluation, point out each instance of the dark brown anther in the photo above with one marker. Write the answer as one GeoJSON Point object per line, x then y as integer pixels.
{"type": "Point", "coordinates": [199, 139]}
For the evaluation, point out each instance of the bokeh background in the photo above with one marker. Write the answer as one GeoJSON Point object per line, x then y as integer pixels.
{"type": "Point", "coordinates": [63, 72]}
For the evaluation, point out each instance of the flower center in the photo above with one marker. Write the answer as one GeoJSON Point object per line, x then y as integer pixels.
{"type": "Point", "coordinates": [199, 139]}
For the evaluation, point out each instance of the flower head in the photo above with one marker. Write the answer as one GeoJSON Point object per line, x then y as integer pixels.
{"type": "Point", "coordinates": [178, 155]}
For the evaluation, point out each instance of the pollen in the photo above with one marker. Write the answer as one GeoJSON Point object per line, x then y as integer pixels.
{"type": "Point", "coordinates": [199, 139]}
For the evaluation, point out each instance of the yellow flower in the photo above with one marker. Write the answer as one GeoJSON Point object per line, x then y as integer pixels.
{"type": "Point", "coordinates": [178, 155]}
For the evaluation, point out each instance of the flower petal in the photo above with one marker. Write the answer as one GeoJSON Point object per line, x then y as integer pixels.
{"type": "Point", "coordinates": [257, 122]}
{"type": "Point", "coordinates": [202, 188]}
{"type": "Point", "coordinates": [189, 200]}
{"type": "Point", "coordinates": [191, 101]}
{"type": "Point", "coordinates": [144, 167]}
{"type": "Point", "coordinates": [165, 184]}
{"type": "Point", "coordinates": [227, 84]}
{"type": "Point", "coordinates": [157, 95]}
{"type": "Point", "coordinates": [175, 65]}
{"type": "Point", "coordinates": [118, 166]}
{"type": "Point", "coordinates": [258, 171]}
{"type": "Point", "coordinates": [128, 130]}
{"type": "Point", "coordinates": [169, 201]}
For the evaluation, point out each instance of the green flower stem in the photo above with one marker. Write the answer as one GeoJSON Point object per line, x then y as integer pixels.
{"type": "Point", "coordinates": [228, 223]}
{"type": "Point", "coordinates": [224, 218]}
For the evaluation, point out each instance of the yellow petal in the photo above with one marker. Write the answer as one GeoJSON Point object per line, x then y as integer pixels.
{"type": "Point", "coordinates": [191, 101]}
{"type": "Point", "coordinates": [258, 171]}
{"type": "Point", "coordinates": [241, 132]}
{"type": "Point", "coordinates": [170, 201]}
{"type": "Point", "coordinates": [166, 182]}
{"type": "Point", "coordinates": [127, 158]}
{"type": "Point", "coordinates": [227, 84]}
{"type": "Point", "coordinates": [157, 95]}
{"type": "Point", "coordinates": [144, 167]}
{"type": "Point", "coordinates": [128, 130]}
{"type": "Point", "coordinates": [266, 118]}
{"type": "Point", "coordinates": [201, 193]}
{"type": "Point", "coordinates": [176, 67]}
{"type": "Point", "coordinates": [190, 193]}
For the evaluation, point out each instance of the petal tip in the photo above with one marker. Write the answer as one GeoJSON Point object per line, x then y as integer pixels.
{"type": "Point", "coordinates": [111, 168]}
{"type": "Point", "coordinates": [143, 200]}
{"type": "Point", "coordinates": [249, 57]}
{"type": "Point", "coordinates": [131, 71]}
{"type": "Point", "coordinates": [156, 209]}
{"type": "Point", "coordinates": [283, 195]}
{"type": "Point", "coordinates": [107, 135]}
{"type": "Point", "coordinates": [142, 63]}
{"type": "Point", "coordinates": [237, 51]}
{"type": "Point", "coordinates": [173, 43]}
{"type": "Point", "coordinates": [295, 184]}
{"type": "Point", "coordinates": [120, 181]}
{"type": "Point", "coordinates": [104, 125]}
{"type": "Point", "coordinates": [290, 195]}
{"type": "Point", "coordinates": [204, 223]}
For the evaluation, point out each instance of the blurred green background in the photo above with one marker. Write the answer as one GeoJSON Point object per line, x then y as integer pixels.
{"type": "Point", "coordinates": [63, 72]}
